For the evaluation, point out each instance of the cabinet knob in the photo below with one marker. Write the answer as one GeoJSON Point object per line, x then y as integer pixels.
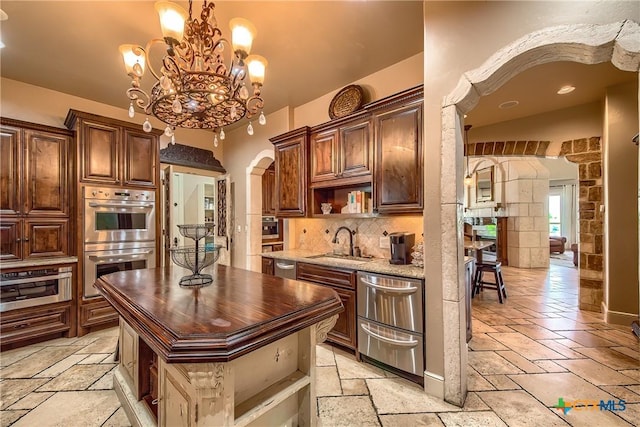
{"type": "Point", "coordinates": [26, 239]}
{"type": "Point", "coordinates": [18, 240]}
{"type": "Point", "coordinates": [94, 193]}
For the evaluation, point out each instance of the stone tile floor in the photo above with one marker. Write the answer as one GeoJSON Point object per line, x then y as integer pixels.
{"type": "Point", "coordinates": [524, 355]}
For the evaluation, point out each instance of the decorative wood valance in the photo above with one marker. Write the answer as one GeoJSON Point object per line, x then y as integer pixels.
{"type": "Point", "coordinates": [193, 157]}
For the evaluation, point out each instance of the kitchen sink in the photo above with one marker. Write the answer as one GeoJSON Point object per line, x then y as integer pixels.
{"type": "Point", "coordinates": [331, 257]}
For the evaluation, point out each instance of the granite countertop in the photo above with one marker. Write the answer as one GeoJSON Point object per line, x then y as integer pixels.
{"type": "Point", "coordinates": [39, 262]}
{"type": "Point", "coordinates": [376, 265]}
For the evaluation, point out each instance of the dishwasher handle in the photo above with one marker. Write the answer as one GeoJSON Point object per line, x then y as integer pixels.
{"type": "Point", "coordinates": [285, 266]}
{"type": "Point", "coordinates": [399, 343]}
{"type": "Point", "coordinates": [407, 290]}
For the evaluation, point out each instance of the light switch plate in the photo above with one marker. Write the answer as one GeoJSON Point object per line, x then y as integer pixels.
{"type": "Point", "coordinates": [384, 242]}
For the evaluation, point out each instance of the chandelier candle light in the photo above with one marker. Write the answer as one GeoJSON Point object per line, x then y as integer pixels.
{"type": "Point", "coordinates": [201, 84]}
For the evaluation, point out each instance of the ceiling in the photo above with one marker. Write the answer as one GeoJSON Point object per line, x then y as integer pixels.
{"type": "Point", "coordinates": [313, 48]}
{"type": "Point", "coordinates": [535, 90]}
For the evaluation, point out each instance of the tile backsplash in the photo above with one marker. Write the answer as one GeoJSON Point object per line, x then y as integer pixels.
{"type": "Point", "coordinates": [315, 234]}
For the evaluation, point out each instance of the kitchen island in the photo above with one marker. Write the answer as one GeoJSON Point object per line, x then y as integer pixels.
{"type": "Point", "coordinates": [238, 352]}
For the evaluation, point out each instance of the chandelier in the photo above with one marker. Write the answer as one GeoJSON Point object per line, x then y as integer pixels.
{"type": "Point", "coordinates": [201, 84]}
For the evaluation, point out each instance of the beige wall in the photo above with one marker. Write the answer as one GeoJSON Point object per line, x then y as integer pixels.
{"type": "Point", "coordinates": [621, 203]}
{"type": "Point", "coordinates": [388, 81]}
{"type": "Point", "coordinates": [241, 150]}
{"type": "Point", "coordinates": [582, 121]}
{"type": "Point", "coordinates": [459, 37]}
{"type": "Point", "coordinates": [44, 106]}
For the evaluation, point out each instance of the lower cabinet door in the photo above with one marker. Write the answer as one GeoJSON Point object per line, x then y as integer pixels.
{"type": "Point", "coordinates": [176, 407]}
{"type": "Point", "coordinates": [344, 332]}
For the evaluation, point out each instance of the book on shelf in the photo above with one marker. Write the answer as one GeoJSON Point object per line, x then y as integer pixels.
{"type": "Point", "coordinates": [359, 202]}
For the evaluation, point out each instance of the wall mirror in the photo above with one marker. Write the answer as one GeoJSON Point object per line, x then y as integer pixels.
{"type": "Point", "coordinates": [484, 185]}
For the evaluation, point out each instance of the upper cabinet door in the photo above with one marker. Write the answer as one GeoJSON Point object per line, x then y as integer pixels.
{"type": "Point", "coordinates": [356, 156]}
{"type": "Point", "coordinates": [99, 153]}
{"type": "Point", "coordinates": [323, 148]}
{"type": "Point", "coordinates": [140, 158]}
{"type": "Point", "coordinates": [46, 186]}
{"type": "Point", "coordinates": [398, 184]}
{"type": "Point", "coordinates": [10, 164]}
{"type": "Point", "coordinates": [291, 173]}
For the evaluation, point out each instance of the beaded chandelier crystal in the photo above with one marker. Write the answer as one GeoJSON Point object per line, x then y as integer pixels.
{"type": "Point", "coordinates": [201, 83]}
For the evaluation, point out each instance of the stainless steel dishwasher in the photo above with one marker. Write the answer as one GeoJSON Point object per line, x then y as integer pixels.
{"type": "Point", "coordinates": [390, 321]}
{"type": "Point", "coordinates": [285, 268]}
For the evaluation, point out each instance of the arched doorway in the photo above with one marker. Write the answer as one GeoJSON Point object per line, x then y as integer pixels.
{"type": "Point", "coordinates": [254, 171]}
{"type": "Point", "coordinates": [579, 43]}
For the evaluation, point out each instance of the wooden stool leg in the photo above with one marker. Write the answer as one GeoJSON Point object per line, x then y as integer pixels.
{"type": "Point", "coordinates": [502, 286]}
{"type": "Point", "coordinates": [497, 279]}
{"type": "Point", "coordinates": [476, 288]}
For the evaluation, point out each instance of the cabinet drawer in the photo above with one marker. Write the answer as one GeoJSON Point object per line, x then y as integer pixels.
{"type": "Point", "coordinates": [96, 313]}
{"type": "Point", "coordinates": [23, 325]}
{"type": "Point", "coordinates": [331, 276]}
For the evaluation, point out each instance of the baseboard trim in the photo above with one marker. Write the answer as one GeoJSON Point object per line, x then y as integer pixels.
{"type": "Point", "coordinates": [434, 385]}
{"type": "Point", "coordinates": [620, 318]}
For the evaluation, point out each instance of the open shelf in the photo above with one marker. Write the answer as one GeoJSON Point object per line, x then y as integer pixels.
{"type": "Point", "coordinates": [338, 197]}
{"type": "Point", "coordinates": [267, 399]}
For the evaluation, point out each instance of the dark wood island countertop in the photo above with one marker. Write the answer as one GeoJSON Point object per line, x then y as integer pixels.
{"type": "Point", "coordinates": [238, 313]}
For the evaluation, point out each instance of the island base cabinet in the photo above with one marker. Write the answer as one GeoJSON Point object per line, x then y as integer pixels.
{"type": "Point", "coordinates": [273, 385]}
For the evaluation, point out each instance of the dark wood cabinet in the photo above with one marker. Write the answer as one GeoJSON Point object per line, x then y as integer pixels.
{"type": "Point", "coordinates": [268, 191]}
{"type": "Point", "coordinates": [341, 154]}
{"type": "Point", "coordinates": [112, 152]}
{"type": "Point", "coordinates": [140, 159]}
{"type": "Point", "coordinates": [399, 175]}
{"type": "Point", "coordinates": [323, 153]}
{"type": "Point", "coordinates": [376, 150]}
{"type": "Point", "coordinates": [34, 324]}
{"type": "Point", "coordinates": [343, 281]}
{"type": "Point", "coordinates": [291, 172]}
{"type": "Point", "coordinates": [268, 266]}
{"type": "Point", "coordinates": [35, 188]}
{"type": "Point", "coordinates": [355, 149]}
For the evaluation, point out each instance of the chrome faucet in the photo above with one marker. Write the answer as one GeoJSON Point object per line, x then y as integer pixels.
{"type": "Point", "coordinates": [351, 233]}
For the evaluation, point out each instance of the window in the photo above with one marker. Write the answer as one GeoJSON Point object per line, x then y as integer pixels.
{"type": "Point", "coordinates": [555, 215]}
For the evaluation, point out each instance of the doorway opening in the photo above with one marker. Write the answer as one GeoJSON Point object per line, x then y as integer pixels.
{"type": "Point", "coordinates": [591, 45]}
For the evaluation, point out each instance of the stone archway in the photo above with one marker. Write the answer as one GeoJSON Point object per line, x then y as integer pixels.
{"type": "Point", "coordinates": [587, 44]}
{"type": "Point", "coordinates": [587, 154]}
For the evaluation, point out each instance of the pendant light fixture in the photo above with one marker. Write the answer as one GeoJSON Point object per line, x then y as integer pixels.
{"type": "Point", "coordinates": [201, 83]}
{"type": "Point", "coordinates": [467, 179]}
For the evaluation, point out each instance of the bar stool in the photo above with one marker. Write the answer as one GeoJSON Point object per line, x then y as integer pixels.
{"type": "Point", "coordinates": [479, 284]}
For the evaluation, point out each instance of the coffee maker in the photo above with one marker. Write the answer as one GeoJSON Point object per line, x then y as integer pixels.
{"type": "Point", "coordinates": [401, 247]}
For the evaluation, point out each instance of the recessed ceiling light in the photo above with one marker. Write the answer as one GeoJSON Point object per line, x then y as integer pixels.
{"type": "Point", "coordinates": [566, 89]}
{"type": "Point", "coordinates": [508, 104]}
{"type": "Point", "coordinates": [1, 44]}
{"type": "Point", "coordinates": [3, 15]}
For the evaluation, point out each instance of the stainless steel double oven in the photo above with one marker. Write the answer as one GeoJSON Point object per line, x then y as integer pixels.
{"type": "Point", "coordinates": [119, 232]}
{"type": "Point", "coordinates": [391, 322]}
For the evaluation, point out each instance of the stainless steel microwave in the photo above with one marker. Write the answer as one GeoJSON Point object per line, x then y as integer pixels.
{"type": "Point", "coordinates": [270, 227]}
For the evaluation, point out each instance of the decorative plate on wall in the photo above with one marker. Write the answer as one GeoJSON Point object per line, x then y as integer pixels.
{"type": "Point", "coordinates": [346, 101]}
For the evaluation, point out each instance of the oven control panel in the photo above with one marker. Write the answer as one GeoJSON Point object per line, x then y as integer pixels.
{"type": "Point", "coordinates": [109, 193]}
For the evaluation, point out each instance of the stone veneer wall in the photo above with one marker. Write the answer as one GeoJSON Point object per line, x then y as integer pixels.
{"type": "Point", "coordinates": [587, 153]}
{"type": "Point", "coordinates": [315, 234]}
{"type": "Point", "coordinates": [521, 187]}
